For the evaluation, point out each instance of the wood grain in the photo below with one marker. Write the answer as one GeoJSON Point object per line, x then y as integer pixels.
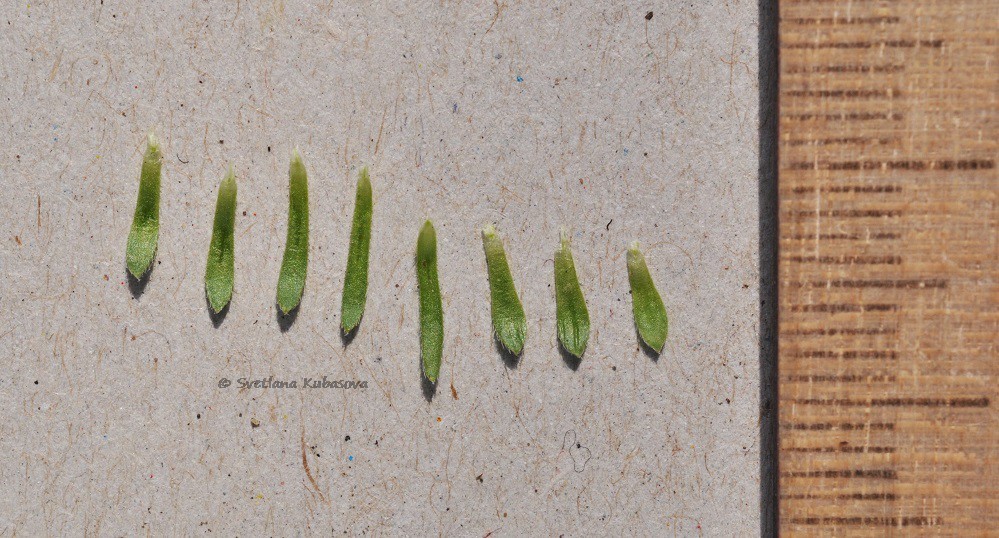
{"type": "Point", "coordinates": [888, 263]}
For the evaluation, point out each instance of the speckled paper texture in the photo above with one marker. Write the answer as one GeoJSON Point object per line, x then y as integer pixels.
{"type": "Point", "coordinates": [620, 122]}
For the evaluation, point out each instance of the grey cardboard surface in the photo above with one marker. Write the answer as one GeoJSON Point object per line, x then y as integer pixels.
{"type": "Point", "coordinates": [535, 116]}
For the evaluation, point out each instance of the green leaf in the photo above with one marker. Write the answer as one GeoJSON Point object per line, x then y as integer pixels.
{"type": "Point", "coordinates": [431, 311]}
{"type": "Point", "coordinates": [650, 313]}
{"type": "Point", "coordinates": [291, 283]}
{"type": "Point", "coordinates": [355, 282]}
{"type": "Point", "coordinates": [221, 252]}
{"type": "Point", "coordinates": [571, 316]}
{"type": "Point", "coordinates": [142, 239]}
{"type": "Point", "coordinates": [509, 321]}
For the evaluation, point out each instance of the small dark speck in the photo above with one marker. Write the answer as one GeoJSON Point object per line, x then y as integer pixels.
{"type": "Point", "coordinates": [608, 224]}
{"type": "Point", "coordinates": [199, 415]}
{"type": "Point", "coordinates": [244, 213]}
{"type": "Point", "coordinates": [614, 368]}
{"type": "Point", "coordinates": [268, 149]}
{"type": "Point", "coordinates": [347, 438]}
{"type": "Point", "coordinates": [221, 141]}
{"type": "Point", "coordinates": [648, 16]}
{"type": "Point", "coordinates": [479, 478]}
{"type": "Point", "coordinates": [36, 381]}
{"type": "Point", "coordinates": [579, 445]}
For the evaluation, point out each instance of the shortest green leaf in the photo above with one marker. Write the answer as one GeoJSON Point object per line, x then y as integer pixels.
{"type": "Point", "coordinates": [221, 252]}
{"type": "Point", "coordinates": [509, 321]}
{"type": "Point", "coordinates": [145, 232]}
{"type": "Point", "coordinates": [571, 317]}
{"type": "Point", "coordinates": [291, 282]}
{"type": "Point", "coordinates": [650, 313]}
{"type": "Point", "coordinates": [431, 310]}
{"type": "Point", "coordinates": [355, 282]}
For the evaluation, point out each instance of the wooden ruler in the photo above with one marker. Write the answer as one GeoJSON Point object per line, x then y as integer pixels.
{"type": "Point", "coordinates": [889, 267]}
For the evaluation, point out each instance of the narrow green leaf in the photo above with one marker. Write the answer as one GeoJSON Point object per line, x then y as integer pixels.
{"type": "Point", "coordinates": [221, 252]}
{"type": "Point", "coordinates": [291, 282]}
{"type": "Point", "coordinates": [650, 313]}
{"type": "Point", "coordinates": [571, 316]}
{"type": "Point", "coordinates": [142, 239]}
{"type": "Point", "coordinates": [355, 282]}
{"type": "Point", "coordinates": [431, 311]}
{"type": "Point", "coordinates": [509, 321]}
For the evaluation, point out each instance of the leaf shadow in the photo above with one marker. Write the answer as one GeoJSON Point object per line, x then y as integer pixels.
{"type": "Point", "coordinates": [569, 359]}
{"type": "Point", "coordinates": [138, 285]}
{"type": "Point", "coordinates": [217, 317]}
{"type": "Point", "coordinates": [428, 387]}
{"type": "Point", "coordinates": [510, 359]}
{"type": "Point", "coordinates": [346, 337]}
{"type": "Point", "coordinates": [285, 321]}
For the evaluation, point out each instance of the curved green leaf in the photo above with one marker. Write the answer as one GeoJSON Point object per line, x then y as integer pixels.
{"type": "Point", "coordinates": [431, 310]}
{"type": "Point", "coordinates": [650, 313]}
{"type": "Point", "coordinates": [571, 316]}
{"type": "Point", "coordinates": [221, 252]}
{"type": "Point", "coordinates": [291, 282]}
{"type": "Point", "coordinates": [145, 232]}
{"type": "Point", "coordinates": [509, 321]}
{"type": "Point", "coordinates": [355, 281]}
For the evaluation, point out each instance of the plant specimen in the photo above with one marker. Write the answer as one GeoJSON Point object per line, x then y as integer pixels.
{"type": "Point", "coordinates": [431, 310]}
{"type": "Point", "coordinates": [355, 281]}
{"type": "Point", "coordinates": [145, 232]}
{"type": "Point", "coordinates": [571, 317]}
{"type": "Point", "coordinates": [509, 321]}
{"type": "Point", "coordinates": [650, 313]}
{"type": "Point", "coordinates": [291, 282]}
{"type": "Point", "coordinates": [221, 252]}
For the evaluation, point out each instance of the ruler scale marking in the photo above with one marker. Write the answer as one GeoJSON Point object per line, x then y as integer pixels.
{"type": "Point", "coordinates": [888, 267]}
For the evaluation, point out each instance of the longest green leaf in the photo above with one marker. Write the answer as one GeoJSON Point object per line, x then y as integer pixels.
{"type": "Point", "coordinates": [571, 316]}
{"type": "Point", "coordinates": [431, 310]}
{"type": "Point", "coordinates": [509, 321]}
{"type": "Point", "coordinates": [650, 313]}
{"type": "Point", "coordinates": [221, 252]}
{"type": "Point", "coordinates": [145, 232]}
{"type": "Point", "coordinates": [291, 282]}
{"type": "Point", "coordinates": [355, 281]}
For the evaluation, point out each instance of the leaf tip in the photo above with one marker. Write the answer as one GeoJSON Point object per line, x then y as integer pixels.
{"type": "Point", "coordinates": [427, 230]}
{"type": "Point", "coordinates": [134, 270]}
{"type": "Point", "coordinates": [565, 239]}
